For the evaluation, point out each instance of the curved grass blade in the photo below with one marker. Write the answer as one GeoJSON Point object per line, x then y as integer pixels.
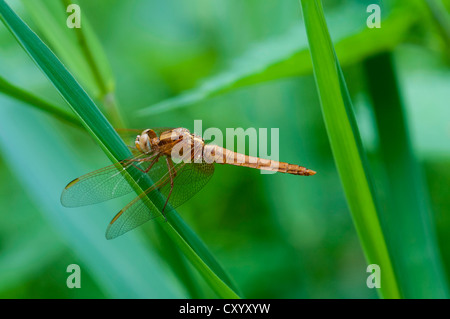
{"type": "Point", "coordinates": [94, 72]}
{"type": "Point", "coordinates": [111, 143]}
{"type": "Point", "coordinates": [346, 145]}
{"type": "Point", "coordinates": [78, 48]}
{"type": "Point", "coordinates": [27, 97]}
{"type": "Point", "coordinates": [410, 229]}
{"type": "Point", "coordinates": [441, 19]}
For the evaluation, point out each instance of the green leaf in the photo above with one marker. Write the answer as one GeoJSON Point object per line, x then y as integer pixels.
{"type": "Point", "coordinates": [287, 55]}
{"type": "Point", "coordinates": [346, 146]}
{"type": "Point", "coordinates": [410, 230]}
{"type": "Point", "coordinates": [113, 146]}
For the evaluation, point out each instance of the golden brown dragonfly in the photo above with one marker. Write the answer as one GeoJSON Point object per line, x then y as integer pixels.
{"type": "Point", "coordinates": [178, 162]}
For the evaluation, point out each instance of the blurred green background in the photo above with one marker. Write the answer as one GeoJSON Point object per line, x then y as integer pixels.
{"type": "Point", "coordinates": [244, 64]}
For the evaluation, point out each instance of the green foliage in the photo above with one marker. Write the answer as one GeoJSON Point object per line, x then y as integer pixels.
{"type": "Point", "coordinates": [278, 236]}
{"type": "Point", "coordinates": [27, 97]}
{"type": "Point", "coordinates": [346, 145]}
{"type": "Point", "coordinates": [287, 55]}
{"type": "Point", "coordinates": [407, 223]}
{"type": "Point", "coordinates": [83, 54]}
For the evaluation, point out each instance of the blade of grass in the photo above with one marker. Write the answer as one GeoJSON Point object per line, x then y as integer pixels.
{"type": "Point", "coordinates": [89, 55]}
{"type": "Point", "coordinates": [27, 97]}
{"type": "Point", "coordinates": [95, 58]}
{"type": "Point", "coordinates": [79, 48]}
{"type": "Point", "coordinates": [409, 225]}
{"type": "Point", "coordinates": [112, 145]}
{"type": "Point", "coordinates": [287, 55]}
{"type": "Point", "coordinates": [50, 17]}
{"type": "Point", "coordinates": [346, 146]}
{"type": "Point", "coordinates": [180, 265]}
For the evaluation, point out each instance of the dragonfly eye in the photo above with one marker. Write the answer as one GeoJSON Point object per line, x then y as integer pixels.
{"type": "Point", "coordinates": [151, 134]}
{"type": "Point", "coordinates": [143, 143]}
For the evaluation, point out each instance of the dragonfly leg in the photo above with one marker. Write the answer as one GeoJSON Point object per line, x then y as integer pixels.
{"type": "Point", "coordinates": [145, 171]}
{"type": "Point", "coordinates": [151, 164]}
{"type": "Point", "coordinates": [169, 168]}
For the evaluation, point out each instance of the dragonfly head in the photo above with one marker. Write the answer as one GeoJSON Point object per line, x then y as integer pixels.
{"type": "Point", "coordinates": [146, 141]}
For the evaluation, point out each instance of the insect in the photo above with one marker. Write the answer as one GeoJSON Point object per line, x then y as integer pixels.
{"type": "Point", "coordinates": [179, 164]}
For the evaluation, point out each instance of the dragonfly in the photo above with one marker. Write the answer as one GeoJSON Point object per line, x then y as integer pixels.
{"type": "Point", "coordinates": [177, 164]}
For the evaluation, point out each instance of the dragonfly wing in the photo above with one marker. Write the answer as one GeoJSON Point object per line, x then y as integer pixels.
{"type": "Point", "coordinates": [137, 212]}
{"type": "Point", "coordinates": [188, 179]}
{"type": "Point", "coordinates": [103, 184]}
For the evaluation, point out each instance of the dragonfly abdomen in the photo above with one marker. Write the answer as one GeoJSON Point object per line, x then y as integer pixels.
{"type": "Point", "coordinates": [214, 153]}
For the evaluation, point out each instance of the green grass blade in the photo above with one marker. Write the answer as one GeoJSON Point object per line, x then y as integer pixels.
{"type": "Point", "coordinates": [108, 139]}
{"type": "Point", "coordinates": [93, 57]}
{"type": "Point", "coordinates": [346, 145]}
{"type": "Point", "coordinates": [94, 73]}
{"type": "Point", "coordinates": [410, 229]}
{"type": "Point", "coordinates": [29, 98]}
{"type": "Point", "coordinates": [79, 49]}
{"type": "Point", "coordinates": [180, 266]}
{"type": "Point", "coordinates": [287, 55]}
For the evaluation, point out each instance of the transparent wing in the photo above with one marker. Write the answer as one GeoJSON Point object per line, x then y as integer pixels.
{"type": "Point", "coordinates": [188, 179]}
{"type": "Point", "coordinates": [104, 184]}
